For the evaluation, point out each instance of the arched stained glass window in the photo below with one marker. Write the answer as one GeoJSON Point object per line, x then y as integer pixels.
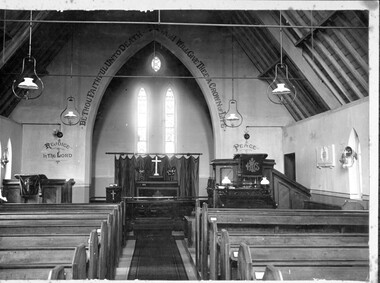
{"type": "Point", "coordinates": [170, 123]}
{"type": "Point", "coordinates": [142, 121]}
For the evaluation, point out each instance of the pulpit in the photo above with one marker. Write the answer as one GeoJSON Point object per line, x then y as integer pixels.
{"type": "Point", "coordinates": [37, 188]}
{"type": "Point", "coordinates": [241, 182]}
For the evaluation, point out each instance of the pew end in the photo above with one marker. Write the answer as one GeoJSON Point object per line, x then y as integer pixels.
{"type": "Point", "coordinates": [244, 263]}
{"type": "Point", "coordinates": [57, 273]}
{"type": "Point", "coordinates": [272, 273]}
{"type": "Point", "coordinates": [80, 262]}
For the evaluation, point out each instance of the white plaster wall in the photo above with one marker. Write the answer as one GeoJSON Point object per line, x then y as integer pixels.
{"type": "Point", "coordinates": [330, 128]}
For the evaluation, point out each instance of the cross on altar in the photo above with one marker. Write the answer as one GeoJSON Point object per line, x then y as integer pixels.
{"type": "Point", "coordinates": [113, 195]}
{"type": "Point", "coordinates": [156, 161]}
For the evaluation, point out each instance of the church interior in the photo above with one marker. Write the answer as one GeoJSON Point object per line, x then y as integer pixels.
{"type": "Point", "coordinates": [192, 142]}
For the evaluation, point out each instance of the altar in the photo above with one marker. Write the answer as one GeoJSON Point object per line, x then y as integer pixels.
{"type": "Point", "coordinates": [157, 174]}
{"type": "Point", "coordinates": [157, 189]}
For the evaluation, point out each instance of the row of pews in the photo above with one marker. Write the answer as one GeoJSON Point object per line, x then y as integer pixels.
{"type": "Point", "coordinates": [281, 244]}
{"type": "Point", "coordinates": [60, 241]}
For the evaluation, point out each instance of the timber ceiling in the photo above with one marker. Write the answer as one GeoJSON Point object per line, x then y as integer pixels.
{"type": "Point", "coordinates": [326, 51]}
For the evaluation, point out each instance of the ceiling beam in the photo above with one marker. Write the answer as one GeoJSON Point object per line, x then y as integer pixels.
{"type": "Point", "coordinates": [329, 56]}
{"type": "Point", "coordinates": [19, 39]}
{"type": "Point", "coordinates": [314, 30]}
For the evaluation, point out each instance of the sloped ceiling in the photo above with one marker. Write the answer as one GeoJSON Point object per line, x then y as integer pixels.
{"type": "Point", "coordinates": [326, 51]}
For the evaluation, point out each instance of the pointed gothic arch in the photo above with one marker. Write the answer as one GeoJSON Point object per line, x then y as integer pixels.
{"type": "Point", "coordinates": [140, 42]}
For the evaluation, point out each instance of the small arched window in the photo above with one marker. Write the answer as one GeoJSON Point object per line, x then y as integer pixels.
{"type": "Point", "coordinates": [8, 167]}
{"type": "Point", "coordinates": [170, 122]}
{"type": "Point", "coordinates": [142, 121]}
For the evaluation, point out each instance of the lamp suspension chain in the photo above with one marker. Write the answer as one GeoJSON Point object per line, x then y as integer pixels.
{"type": "Point", "coordinates": [232, 63]}
{"type": "Point", "coordinates": [71, 55]}
{"type": "Point", "coordinates": [4, 26]}
{"type": "Point", "coordinates": [30, 34]}
{"type": "Point", "coordinates": [312, 36]}
{"type": "Point", "coordinates": [281, 39]}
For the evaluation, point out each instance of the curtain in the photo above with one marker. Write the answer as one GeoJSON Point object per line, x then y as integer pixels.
{"type": "Point", "coordinates": [181, 168]}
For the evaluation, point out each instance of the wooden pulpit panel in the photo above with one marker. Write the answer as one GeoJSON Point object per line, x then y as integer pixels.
{"type": "Point", "coordinates": [52, 191]}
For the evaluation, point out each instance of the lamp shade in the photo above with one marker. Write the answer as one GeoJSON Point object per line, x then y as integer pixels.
{"type": "Point", "coordinates": [264, 181]}
{"type": "Point", "coordinates": [226, 181]}
{"type": "Point", "coordinates": [232, 117]}
{"type": "Point", "coordinates": [281, 89]}
{"type": "Point", "coordinates": [28, 83]}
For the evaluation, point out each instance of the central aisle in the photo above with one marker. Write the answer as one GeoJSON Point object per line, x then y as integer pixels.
{"type": "Point", "coordinates": [156, 257]}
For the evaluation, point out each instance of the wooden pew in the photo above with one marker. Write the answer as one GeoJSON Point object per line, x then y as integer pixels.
{"type": "Point", "coordinates": [79, 208]}
{"type": "Point", "coordinates": [37, 263]}
{"type": "Point", "coordinates": [304, 263]}
{"type": "Point", "coordinates": [52, 241]}
{"type": "Point", "coordinates": [52, 219]}
{"type": "Point", "coordinates": [272, 221]}
{"type": "Point", "coordinates": [230, 243]}
{"type": "Point", "coordinates": [99, 260]}
{"type": "Point", "coordinates": [75, 208]}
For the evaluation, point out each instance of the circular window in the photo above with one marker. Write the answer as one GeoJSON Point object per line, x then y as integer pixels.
{"type": "Point", "coordinates": [156, 64]}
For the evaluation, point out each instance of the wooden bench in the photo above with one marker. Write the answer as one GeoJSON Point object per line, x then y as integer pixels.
{"type": "Point", "coordinates": [303, 263]}
{"type": "Point", "coordinates": [316, 243]}
{"type": "Point", "coordinates": [271, 221]}
{"type": "Point", "coordinates": [37, 263]}
{"type": "Point", "coordinates": [69, 219]}
{"type": "Point", "coordinates": [52, 241]}
{"type": "Point", "coordinates": [119, 210]}
{"type": "Point", "coordinates": [99, 260]}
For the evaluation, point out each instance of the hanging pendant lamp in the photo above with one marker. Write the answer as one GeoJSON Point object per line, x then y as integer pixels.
{"type": "Point", "coordinates": [70, 116]}
{"type": "Point", "coordinates": [233, 118]}
{"type": "Point", "coordinates": [281, 90]}
{"type": "Point", "coordinates": [28, 84]}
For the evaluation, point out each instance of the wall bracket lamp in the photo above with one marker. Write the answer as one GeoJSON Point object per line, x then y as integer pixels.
{"type": "Point", "coordinates": [4, 158]}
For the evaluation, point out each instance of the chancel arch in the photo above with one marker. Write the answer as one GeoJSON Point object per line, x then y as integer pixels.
{"type": "Point", "coordinates": [117, 119]}
{"type": "Point", "coordinates": [163, 40]}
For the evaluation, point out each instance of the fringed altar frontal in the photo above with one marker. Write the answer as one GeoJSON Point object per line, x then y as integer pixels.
{"type": "Point", "coordinates": [132, 170]}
